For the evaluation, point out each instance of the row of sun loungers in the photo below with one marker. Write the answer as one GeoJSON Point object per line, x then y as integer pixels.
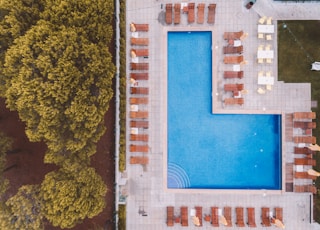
{"type": "Point", "coordinates": [216, 217]}
{"type": "Point", "coordinates": [190, 10]}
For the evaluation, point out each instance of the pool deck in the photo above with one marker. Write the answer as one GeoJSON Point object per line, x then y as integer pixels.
{"type": "Point", "coordinates": [144, 186]}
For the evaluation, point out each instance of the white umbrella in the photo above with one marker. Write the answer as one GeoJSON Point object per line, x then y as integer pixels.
{"type": "Point", "coordinates": [196, 221]}
{"type": "Point", "coordinates": [223, 220]}
{"type": "Point", "coordinates": [278, 223]}
{"type": "Point", "coordinates": [313, 172]}
{"type": "Point", "coordinates": [314, 147]}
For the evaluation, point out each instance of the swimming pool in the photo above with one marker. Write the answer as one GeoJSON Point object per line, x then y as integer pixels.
{"type": "Point", "coordinates": [212, 151]}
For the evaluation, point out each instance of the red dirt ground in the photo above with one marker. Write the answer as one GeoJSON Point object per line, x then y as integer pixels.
{"type": "Point", "coordinates": [30, 169]}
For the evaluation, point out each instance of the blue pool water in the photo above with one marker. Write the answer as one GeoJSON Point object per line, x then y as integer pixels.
{"type": "Point", "coordinates": [241, 151]}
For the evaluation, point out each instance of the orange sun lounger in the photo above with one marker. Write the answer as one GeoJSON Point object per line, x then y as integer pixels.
{"type": "Point", "coordinates": [139, 160]}
{"type": "Point", "coordinates": [200, 13]}
{"type": "Point", "coordinates": [191, 12]}
{"type": "Point", "coordinates": [139, 41]}
{"type": "Point", "coordinates": [303, 150]}
{"type": "Point", "coordinates": [139, 52]}
{"type": "Point", "coordinates": [304, 161]}
{"type": "Point", "coordinates": [304, 125]}
{"type": "Point", "coordinates": [199, 213]}
{"type": "Point", "coordinates": [251, 217]}
{"type": "Point", "coordinates": [232, 49]}
{"type": "Point", "coordinates": [227, 215]}
{"type": "Point", "coordinates": [214, 216]}
{"type": "Point", "coordinates": [305, 188]}
{"type": "Point", "coordinates": [212, 13]}
{"type": "Point", "coordinates": [139, 27]}
{"type": "Point", "coordinates": [239, 216]}
{"type": "Point", "coordinates": [139, 76]}
{"type": "Point", "coordinates": [233, 35]}
{"type": "Point", "coordinates": [139, 137]}
{"type": "Point", "coordinates": [234, 101]}
{"type": "Point", "coordinates": [304, 115]}
{"type": "Point", "coordinates": [233, 87]}
{"type": "Point", "coordinates": [139, 114]}
{"type": "Point", "coordinates": [233, 74]}
{"type": "Point", "coordinates": [169, 13]}
{"type": "Point", "coordinates": [305, 139]}
{"type": "Point", "coordinates": [139, 148]}
{"type": "Point", "coordinates": [233, 59]}
{"type": "Point", "coordinates": [139, 100]}
{"type": "Point", "coordinates": [139, 124]}
{"type": "Point", "coordinates": [304, 175]}
{"type": "Point", "coordinates": [139, 90]}
{"type": "Point", "coordinates": [170, 216]}
{"type": "Point", "coordinates": [184, 215]}
{"type": "Point", "coordinates": [265, 219]}
{"type": "Point", "coordinates": [139, 66]}
{"type": "Point", "coordinates": [177, 13]}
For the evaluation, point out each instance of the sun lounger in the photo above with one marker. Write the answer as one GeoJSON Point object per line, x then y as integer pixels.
{"type": "Point", "coordinates": [139, 27]}
{"type": "Point", "coordinates": [139, 66]}
{"type": "Point", "coordinates": [200, 13]}
{"type": "Point", "coordinates": [234, 101]}
{"type": "Point", "coordinates": [214, 217]}
{"type": "Point", "coordinates": [139, 76]}
{"type": "Point", "coordinates": [139, 90]}
{"type": "Point", "coordinates": [232, 49]}
{"type": "Point", "coordinates": [139, 137]}
{"type": "Point", "coordinates": [211, 13]}
{"type": "Point", "coordinates": [233, 74]}
{"type": "Point", "coordinates": [233, 59]}
{"type": "Point", "coordinates": [177, 13]}
{"type": "Point", "coordinates": [139, 124]}
{"type": "Point", "coordinates": [139, 52]}
{"type": "Point", "coordinates": [303, 150]}
{"type": "Point", "coordinates": [305, 188]}
{"type": "Point", "coordinates": [233, 87]}
{"type": "Point", "coordinates": [139, 100]}
{"type": "Point", "coordinates": [139, 160]}
{"type": "Point", "coordinates": [304, 161]}
{"type": "Point", "coordinates": [139, 148]}
{"type": "Point", "coordinates": [191, 12]}
{"type": "Point", "coordinates": [184, 216]}
{"type": "Point", "coordinates": [239, 215]}
{"type": "Point", "coordinates": [169, 13]}
{"type": "Point", "coordinates": [227, 215]}
{"type": "Point", "coordinates": [139, 114]}
{"type": "Point", "coordinates": [139, 41]}
{"type": "Point", "coordinates": [304, 175]}
{"type": "Point", "coordinates": [170, 216]}
{"type": "Point", "coordinates": [233, 35]}
{"type": "Point", "coordinates": [278, 213]}
{"type": "Point", "coordinates": [304, 115]}
{"type": "Point", "coordinates": [199, 214]}
{"type": "Point", "coordinates": [265, 218]}
{"type": "Point", "coordinates": [251, 218]}
{"type": "Point", "coordinates": [305, 139]}
{"type": "Point", "coordinates": [304, 125]}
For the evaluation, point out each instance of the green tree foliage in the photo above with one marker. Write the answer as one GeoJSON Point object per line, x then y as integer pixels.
{"type": "Point", "coordinates": [72, 194]}
{"type": "Point", "coordinates": [24, 209]}
{"type": "Point", "coordinates": [5, 146]}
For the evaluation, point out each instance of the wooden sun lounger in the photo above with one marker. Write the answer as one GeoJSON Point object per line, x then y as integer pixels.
{"type": "Point", "coordinates": [141, 27]}
{"type": "Point", "coordinates": [305, 188]}
{"type": "Point", "coordinates": [139, 90]}
{"type": "Point", "coordinates": [139, 41]}
{"type": "Point", "coordinates": [304, 125]}
{"type": "Point", "coordinates": [233, 87]}
{"type": "Point", "coordinates": [199, 214]}
{"type": "Point", "coordinates": [139, 100]}
{"type": "Point", "coordinates": [139, 148]}
{"type": "Point", "coordinates": [304, 115]}
{"type": "Point", "coordinates": [139, 114]}
{"type": "Point", "coordinates": [184, 216]}
{"type": "Point", "coordinates": [265, 218]}
{"type": "Point", "coordinates": [251, 217]}
{"type": "Point", "coordinates": [212, 13]}
{"type": "Point", "coordinates": [170, 216]}
{"type": "Point", "coordinates": [239, 215]}
{"type": "Point", "coordinates": [233, 49]}
{"type": "Point", "coordinates": [214, 217]}
{"type": "Point", "coordinates": [304, 175]}
{"type": "Point", "coordinates": [191, 12]}
{"type": "Point", "coordinates": [233, 59]}
{"type": "Point", "coordinates": [227, 215]}
{"type": "Point", "coordinates": [140, 52]}
{"type": "Point", "coordinates": [305, 139]}
{"type": "Point", "coordinates": [303, 150]}
{"type": "Point", "coordinates": [304, 161]}
{"type": "Point", "coordinates": [200, 13]}
{"type": "Point", "coordinates": [233, 74]}
{"type": "Point", "coordinates": [234, 101]}
{"type": "Point", "coordinates": [139, 66]}
{"type": "Point", "coordinates": [139, 137]}
{"type": "Point", "coordinates": [139, 124]}
{"type": "Point", "coordinates": [139, 76]}
{"type": "Point", "coordinates": [177, 13]}
{"type": "Point", "coordinates": [139, 160]}
{"type": "Point", "coordinates": [233, 35]}
{"type": "Point", "coordinates": [169, 13]}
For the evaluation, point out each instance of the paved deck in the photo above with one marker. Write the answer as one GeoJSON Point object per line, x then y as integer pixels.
{"type": "Point", "coordinates": [147, 197]}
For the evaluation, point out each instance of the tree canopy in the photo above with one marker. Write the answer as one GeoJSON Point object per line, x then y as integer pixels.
{"type": "Point", "coordinates": [5, 146]}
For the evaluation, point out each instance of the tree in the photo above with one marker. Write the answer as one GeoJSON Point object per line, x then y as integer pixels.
{"type": "Point", "coordinates": [72, 194]}
{"type": "Point", "coordinates": [5, 146]}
